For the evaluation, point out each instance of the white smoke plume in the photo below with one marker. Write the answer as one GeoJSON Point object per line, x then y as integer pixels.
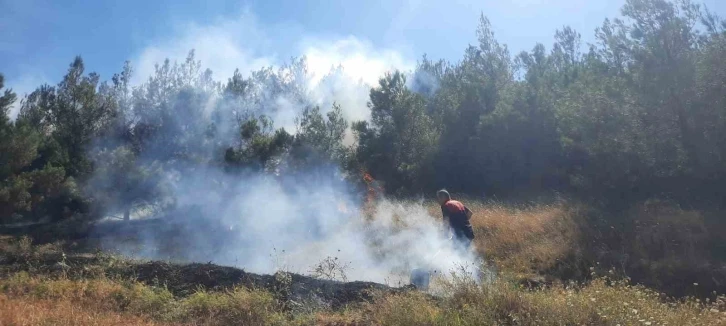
{"type": "Point", "coordinates": [338, 70]}
{"type": "Point", "coordinates": [261, 222]}
{"type": "Point", "coordinates": [264, 224]}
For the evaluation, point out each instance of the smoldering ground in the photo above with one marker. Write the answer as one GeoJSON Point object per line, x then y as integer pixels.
{"type": "Point", "coordinates": [265, 224]}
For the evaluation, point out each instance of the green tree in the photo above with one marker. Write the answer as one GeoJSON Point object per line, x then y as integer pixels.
{"type": "Point", "coordinates": [24, 192]}
{"type": "Point", "coordinates": [259, 147]}
{"type": "Point", "coordinates": [319, 139]}
{"type": "Point", "coordinates": [74, 113]}
{"type": "Point", "coordinates": [122, 184]}
{"type": "Point", "coordinates": [399, 143]}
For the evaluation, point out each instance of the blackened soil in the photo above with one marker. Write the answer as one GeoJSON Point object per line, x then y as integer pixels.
{"type": "Point", "coordinates": [185, 279]}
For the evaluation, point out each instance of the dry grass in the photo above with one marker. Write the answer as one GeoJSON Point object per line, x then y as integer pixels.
{"type": "Point", "coordinates": [239, 307]}
{"type": "Point", "coordinates": [98, 300]}
{"type": "Point", "coordinates": [522, 240]}
{"type": "Point", "coordinates": [39, 300]}
{"type": "Point", "coordinates": [525, 239]}
{"type": "Point", "coordinates": [30, 311]}
{"type": "Point", "coordinates": [600, 303]}
{"type": "Point", "coordinates": [29, 300]}
{"type": "Point", "coordinates": [655, 243]}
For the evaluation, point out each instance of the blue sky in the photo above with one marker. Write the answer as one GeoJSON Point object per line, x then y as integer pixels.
{"type": "Point", "coordinates": [40, 38]}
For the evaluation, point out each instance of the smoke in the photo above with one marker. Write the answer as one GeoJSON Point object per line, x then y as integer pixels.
{"type": "Point", "coordinates": [341, 69]}
{"type": "Point", "coordinates": [264, 224]}
{"type": "Point", "coordinates": [423, 82]}
{"type": "Point", "coordinates": [254, 220]}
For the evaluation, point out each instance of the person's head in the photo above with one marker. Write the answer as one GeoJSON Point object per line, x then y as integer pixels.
{"type": "Point", "coordinates": [443, 196]}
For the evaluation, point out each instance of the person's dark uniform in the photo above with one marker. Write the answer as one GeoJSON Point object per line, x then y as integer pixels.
{"type": "Point", "coordinates": [457, 215]}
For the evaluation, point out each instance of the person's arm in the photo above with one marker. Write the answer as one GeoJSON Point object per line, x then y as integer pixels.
{"type": "Point", "coordinates": [469, 213]}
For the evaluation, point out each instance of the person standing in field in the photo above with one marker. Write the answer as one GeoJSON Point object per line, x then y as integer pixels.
{"type": "Point", "coordinates": [457, 216]}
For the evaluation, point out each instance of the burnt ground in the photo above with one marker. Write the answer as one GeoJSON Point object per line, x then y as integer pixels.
{"type": "Point", "coordinates": [83, 259]}
{"type": "Point", "coordinates": [185, 279]}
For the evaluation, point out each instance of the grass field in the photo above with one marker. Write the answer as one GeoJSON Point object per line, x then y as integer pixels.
{"type": "Point", "coordinates": [36, 300]}
{"type": "Point", "coordinates": [556, 264]}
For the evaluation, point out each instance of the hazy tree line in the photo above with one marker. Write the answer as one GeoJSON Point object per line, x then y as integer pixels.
{"type": "Point", "coordinates": [640, 113]}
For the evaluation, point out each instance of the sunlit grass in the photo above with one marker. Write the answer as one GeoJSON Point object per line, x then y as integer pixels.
{"type": "Point", "coordinates": [523, 240]}
{"type": "Point", "coordinates": [600, 303]}
{"type": "Point", "coordinates": [30, 311]}
{"type": "Point", "coordinates": [35, 300]}
{"type": "Point", "coordinates": [109, 298]}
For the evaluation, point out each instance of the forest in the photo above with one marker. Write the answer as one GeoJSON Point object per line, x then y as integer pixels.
{"type": "Point", "coordinates": [639, 114]}
{"type": "Point", "coordinates": [637, 117]}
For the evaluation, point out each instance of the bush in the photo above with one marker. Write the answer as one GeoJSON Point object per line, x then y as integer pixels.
{"type": "Point", "coordinates": [240, 306]}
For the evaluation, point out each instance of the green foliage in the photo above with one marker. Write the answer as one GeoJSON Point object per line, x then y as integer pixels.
{"type": "Point", "coordinates": [122, 183]}
{"type": "Point", "coordinates": [73, 113]}
{"type": "Point", "coordinates": [25, 191]}
{"type": "Point", "coordinates": [399, 143]}
{"type": "Point", "coordinates": [259, 145]}
{"type": "Point", "coordinates": [319, 139]}
{"type": "Point", "coordinates": [639, 114]}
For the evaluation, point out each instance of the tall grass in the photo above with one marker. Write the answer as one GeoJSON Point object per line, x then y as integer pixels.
{"type": "Point", "coordinates": [28, 300]}
{"type": "Point", "coordinates": [525, 239]}
{"type": "Point", "coordinates": [31, 311]}
{"type": "Point", "coordinates": [112, 299]}
{"type": "Point", "coordinates": [656, 243]}
{"type": "Point", "coordinates": [599, 303]}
